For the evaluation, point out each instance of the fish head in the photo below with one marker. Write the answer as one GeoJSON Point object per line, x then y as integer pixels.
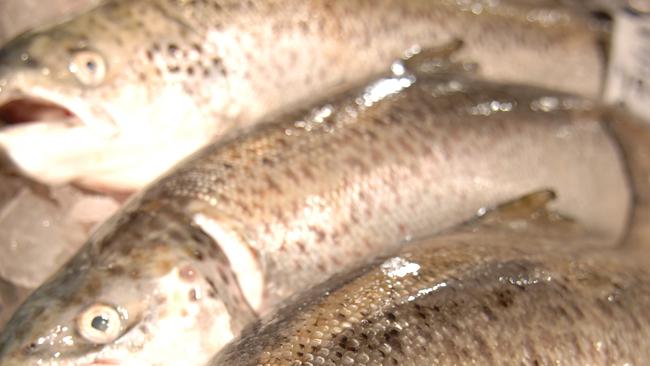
{"type": "Point", "coordinates": [153, 306]}
{"type": "Point", "coordinates": [88, 99]}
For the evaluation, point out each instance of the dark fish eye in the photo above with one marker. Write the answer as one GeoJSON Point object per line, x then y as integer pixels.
{"type": "Point", "coordinates": [100, 323]}
{"type": "Point", "coordinates": [88, 66]}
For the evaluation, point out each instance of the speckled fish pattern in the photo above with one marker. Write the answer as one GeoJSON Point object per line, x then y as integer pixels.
{"type": "Point", "coordinates": [265, 213]}
{"type": "Point", "coordinates": [174, 74]}
{"type": "Point", "coordinates": [489, 296]}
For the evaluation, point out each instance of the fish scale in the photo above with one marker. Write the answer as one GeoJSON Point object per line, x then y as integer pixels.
{"type": "Point", "coordinates": [492, 295]}
{"type": "Point", "coordinates": [307, 186]}
{"type": "Point", "coordinates": [267, 212]}
{"type": "Point", "coordinates": [221, 65]}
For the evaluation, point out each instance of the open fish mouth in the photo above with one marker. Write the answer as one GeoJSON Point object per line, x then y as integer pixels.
{"type": "Point", "coordinates": [24, 109]}
{"type": "Point", "coordinates": [51, 139]}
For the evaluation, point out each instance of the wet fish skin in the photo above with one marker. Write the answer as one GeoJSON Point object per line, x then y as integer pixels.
{"type": "Point", "coordinates": [218, 65]}
{"type": "Point", "coordinates": [487, 296]}
{"type": "Point", "coordinates": [397, 159]}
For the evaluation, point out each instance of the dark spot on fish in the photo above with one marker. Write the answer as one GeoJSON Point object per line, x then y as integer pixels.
{"type": "Point", "coordinates": [144, 329]}
{"type": "Point", "coordinates": [30, 348]}
{"type": "Point", "coordinates": [306, 171]}
{"type": "Point", "coordinates": [301, 246]}
{"type": "Point", "coordinates": [217, 63]}
{"type": "Point", "coordinates": [193, 295]}
{"type": "Point", "coordinates": [190, 70]}
{"type": "Point", "coordinates": [267, 161]}
{"type": "Point", "coordinates": [489, 314]}
{"type": "Point", "coordinates": [320, 234]}
{"type": "Point", "coordinates": [164, 266]}
{"type": "Point", "coordinates": [198, 255]}
{"type": "Point", "coordinates": [504, 298]}
{"type": "Point", "coordinates": [223, 276]}
{"type": "Point", "coordinates": [116, 270]}
{"type": "Point", "coordinates": [174, 68]}
{"type": "Point", "coordinates": [161, 299]}
{"type": "Point", "coordinates": [172, 49]}
{"type": "Point", "coordinates": [212, 291]}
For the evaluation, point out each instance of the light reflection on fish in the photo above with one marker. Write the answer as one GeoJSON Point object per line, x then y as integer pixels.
{"type": "Point", "coordinates": [151, 81]}
{"type": "Point", "coordinates": [497, 295]}
{"type": "Point", "coordinates": [270, 211]}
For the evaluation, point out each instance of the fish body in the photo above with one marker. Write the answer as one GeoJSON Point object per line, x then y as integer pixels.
{"type": "Point", "coordinates": [489, 296]}
{"type": "Point", "coordinates": [260, 215]}
{"type": "Point", "coordinates": [170, 75]}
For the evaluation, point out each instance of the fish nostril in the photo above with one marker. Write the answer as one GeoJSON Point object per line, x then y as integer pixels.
{"type": "Point", "coordinates": [30, 348]}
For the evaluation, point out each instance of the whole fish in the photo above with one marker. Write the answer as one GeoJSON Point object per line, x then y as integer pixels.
{"type": "Point", "coordinates": [487, 296]}
{"type": "Point", "coordinates": [151, 81]}
{"type": "Point", "coordinates": [260, 215]}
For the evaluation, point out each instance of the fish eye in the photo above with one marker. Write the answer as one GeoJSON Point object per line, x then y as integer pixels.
{"type": "Point", "coordinates": [100, 324]}
{"type": "Point", "coordinates": [89, 67]}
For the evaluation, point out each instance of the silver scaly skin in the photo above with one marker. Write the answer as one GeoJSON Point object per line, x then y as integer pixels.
{"type": "Point", "coordinates": [151, 81]}
{"type": "Point", "coordinates": [496, 295]}
{"type": "Point", "coordinates": [271, 211]}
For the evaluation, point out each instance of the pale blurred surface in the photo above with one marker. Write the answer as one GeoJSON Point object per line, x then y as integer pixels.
{"type": "Point", "coordinates": [17, 16]}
